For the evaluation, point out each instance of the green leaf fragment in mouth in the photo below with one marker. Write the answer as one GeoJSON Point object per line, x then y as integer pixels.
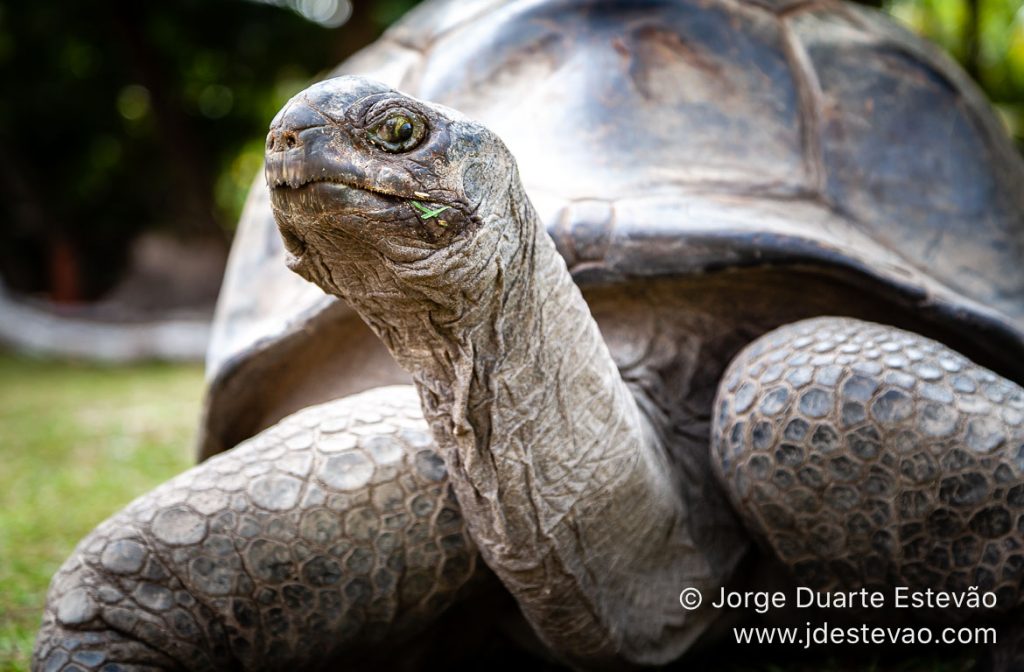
{"type": "Point", "coordinates": [426, 212]}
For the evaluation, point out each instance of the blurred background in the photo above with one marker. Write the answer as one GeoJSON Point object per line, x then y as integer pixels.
{"type": "Point", "coordinates": [130, 134]}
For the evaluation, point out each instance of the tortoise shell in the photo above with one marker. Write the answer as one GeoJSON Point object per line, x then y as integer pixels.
{"type": "Point", "coordinates": [670, 139]}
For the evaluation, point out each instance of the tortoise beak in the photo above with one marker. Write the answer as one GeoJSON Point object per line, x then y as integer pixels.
{"type": "Point", "coordinates": [296, 158]}
{"type": "Point", "coordinates": [305, 146]}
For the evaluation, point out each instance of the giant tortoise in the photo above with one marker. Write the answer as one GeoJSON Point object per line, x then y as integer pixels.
{"type": "Point", "coordinates": [753, 315]}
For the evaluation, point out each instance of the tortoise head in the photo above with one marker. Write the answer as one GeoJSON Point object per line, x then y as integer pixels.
{"type": "Point", "coordinates": [369, 184]}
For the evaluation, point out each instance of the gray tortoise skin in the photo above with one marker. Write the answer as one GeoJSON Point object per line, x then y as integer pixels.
{"type": "Point", "coordinates": [706, 181]}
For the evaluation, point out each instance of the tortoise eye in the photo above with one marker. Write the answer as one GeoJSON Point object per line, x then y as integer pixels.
{"type": "Point", "coordinates": [398, 133]}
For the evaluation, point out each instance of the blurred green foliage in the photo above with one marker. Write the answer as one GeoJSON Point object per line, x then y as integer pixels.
{"type": "Point", "coordinates": [117, 117]}
{"type": "Point", "coordinates": [986, 37]}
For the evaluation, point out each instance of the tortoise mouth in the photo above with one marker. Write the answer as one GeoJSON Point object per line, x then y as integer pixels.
{"type": "Point", "coordinates": [331, 195]}
{"type": "Point", "coordinates": [285, 175]}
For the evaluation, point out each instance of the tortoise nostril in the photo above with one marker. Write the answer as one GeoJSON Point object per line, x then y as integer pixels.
{"type": "Point", "coordinates": [279, 141]}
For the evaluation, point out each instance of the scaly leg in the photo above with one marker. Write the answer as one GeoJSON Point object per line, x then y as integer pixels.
{"type": "Point", "coordinates": [868, 456]}
{"type": "Point", "coordinates": [333, 531]}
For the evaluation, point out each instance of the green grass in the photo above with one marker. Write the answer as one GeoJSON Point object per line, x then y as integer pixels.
{"type": "Point", "coordinates": [77, 442]}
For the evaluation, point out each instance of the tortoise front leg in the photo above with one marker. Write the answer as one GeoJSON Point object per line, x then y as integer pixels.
{"type": "Point", "coordinates": [868, 456]}
{"type": "Point", "coordinates": [327, 533]}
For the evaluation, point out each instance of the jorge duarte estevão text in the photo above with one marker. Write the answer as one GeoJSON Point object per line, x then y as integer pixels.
{"type": "Point", "coordinates": [899, 597]}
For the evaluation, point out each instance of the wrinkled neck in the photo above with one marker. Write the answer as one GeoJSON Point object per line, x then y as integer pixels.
{"type": "Point", "coordinates": [502, 355]}
{"type": "Point", "coordinates": [561, 481]}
